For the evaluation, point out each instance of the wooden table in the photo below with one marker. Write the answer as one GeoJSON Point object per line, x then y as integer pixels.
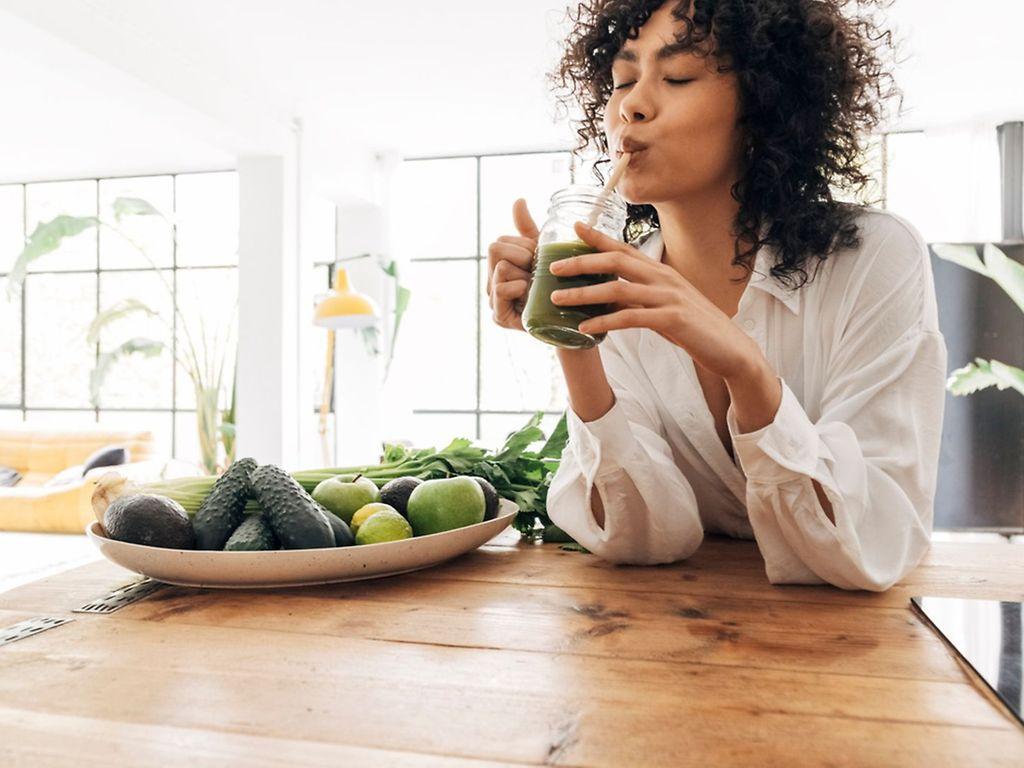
{"type": "Point", "coordinates": [511, 655]}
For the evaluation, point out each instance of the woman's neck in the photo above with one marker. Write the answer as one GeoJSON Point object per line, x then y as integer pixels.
{"type": "Point", "coordinates": [699, 244]}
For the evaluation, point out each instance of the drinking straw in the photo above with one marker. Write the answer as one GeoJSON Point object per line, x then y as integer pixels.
{"type": "Point", "coordinates": [609, 187]}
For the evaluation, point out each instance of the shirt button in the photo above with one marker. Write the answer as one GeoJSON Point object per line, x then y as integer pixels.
{"type": "Point", "coordinates": [749, 324]}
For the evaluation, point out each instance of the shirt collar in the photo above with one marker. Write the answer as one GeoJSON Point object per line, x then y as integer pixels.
{"type": "Point", "coordinates": [761, 278]}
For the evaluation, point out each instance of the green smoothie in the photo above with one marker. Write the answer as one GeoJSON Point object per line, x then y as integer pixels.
{"type": "Point", "coordinates": [559, 324]}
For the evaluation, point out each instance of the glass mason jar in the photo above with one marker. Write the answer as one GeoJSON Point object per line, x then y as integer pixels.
{"type": "Point", "coordinates": [552, 323]}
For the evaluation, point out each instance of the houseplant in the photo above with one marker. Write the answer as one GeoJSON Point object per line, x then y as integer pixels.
{"type": "Point", "coordinates": [205, 355]}
{"type": "Point", "coordinates": [1008, 275]}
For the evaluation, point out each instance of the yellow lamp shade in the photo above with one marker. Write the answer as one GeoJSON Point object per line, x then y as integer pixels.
{"type": "Point", "coordinates": [345, 308]}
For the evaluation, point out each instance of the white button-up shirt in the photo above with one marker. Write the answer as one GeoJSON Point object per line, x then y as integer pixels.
{"type": "Point", "coordinates": [862, 365]}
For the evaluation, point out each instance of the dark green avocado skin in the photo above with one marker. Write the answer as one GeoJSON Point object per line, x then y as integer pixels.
{"type": "Point", "coordinates": [253, 535]}
{"type": "Point", "coordinates": [154, 521]}
{"type": "Point", "coordinates": [224, 509]}
{"type": "Point", "coordinates": [490, 498]}
{"type": "Point", "coordinates": [297, 520]}
{"type": "Point", "coordinates": [397, 492]}
{"type": "Point", "coordinates": [343, 536]}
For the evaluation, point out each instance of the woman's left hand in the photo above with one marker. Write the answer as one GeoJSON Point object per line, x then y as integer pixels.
{"type": "Point", "coordinates": [653, 295]}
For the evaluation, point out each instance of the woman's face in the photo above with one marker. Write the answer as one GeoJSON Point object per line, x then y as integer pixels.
{"type": "Point", "coordinates": [680, 109]}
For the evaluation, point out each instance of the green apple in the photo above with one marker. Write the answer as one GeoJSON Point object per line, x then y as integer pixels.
{"type": "Point", "coordinates": [365, 511]}
{"type": "Point", "coordinates": [343, 499]}
{"type": "Point", "coordinates": [383, 525]}
{"type": "Point", "coordinates": [445, 504]}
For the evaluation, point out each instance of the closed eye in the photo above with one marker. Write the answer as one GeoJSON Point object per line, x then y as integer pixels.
{"type": "Point", "coordinates": [673, 81]}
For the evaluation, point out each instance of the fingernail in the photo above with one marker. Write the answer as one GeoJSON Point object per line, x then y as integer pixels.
{"type": "Point", "coordinates": [557, 295]}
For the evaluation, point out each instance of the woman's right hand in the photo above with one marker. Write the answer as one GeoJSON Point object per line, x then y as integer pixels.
{"type": "Point", "coordinates": [509, 269]}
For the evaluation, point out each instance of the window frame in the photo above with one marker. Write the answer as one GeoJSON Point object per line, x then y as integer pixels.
{"type": "Point", "coordinates": [99, 271]}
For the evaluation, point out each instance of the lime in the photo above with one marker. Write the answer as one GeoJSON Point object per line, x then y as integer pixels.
{"type": "Point", "coordinates": [385, 525]}
{"type": "Point", "coordinates": [365, 511]}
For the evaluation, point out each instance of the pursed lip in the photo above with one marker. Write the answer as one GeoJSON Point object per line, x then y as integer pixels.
{"type": "Point", "coordinates": [631, 145]}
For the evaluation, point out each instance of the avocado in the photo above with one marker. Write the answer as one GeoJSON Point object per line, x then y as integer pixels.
{"type": "Point", "coordinates": [396, 493]}
{"type": "Point", "coordinates": [224, 509]}
{"type": "Point", "coordinates": [253, 535]}
{"type": "Point", "coordinates": [490, 499]}
{"type": "Point", "coordinates": [154, 521]}
{"type": "Point", "coordinates": [297, 520]}
{"type": "Point", "coordinates": [343, 536]}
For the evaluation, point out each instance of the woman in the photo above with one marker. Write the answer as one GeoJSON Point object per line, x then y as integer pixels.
{"type": "Point", "coordinates": [734, 393]}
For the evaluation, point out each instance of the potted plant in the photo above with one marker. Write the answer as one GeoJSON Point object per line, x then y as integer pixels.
{"type": "Point", "coordinates": [1008, 275]}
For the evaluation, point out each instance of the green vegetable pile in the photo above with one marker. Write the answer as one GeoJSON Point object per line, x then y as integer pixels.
{"type": "Point", "coordinates": [516, 472]}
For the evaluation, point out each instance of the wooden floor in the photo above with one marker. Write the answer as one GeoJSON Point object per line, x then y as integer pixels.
{"type": "Point", "coordinates": [511, 655]}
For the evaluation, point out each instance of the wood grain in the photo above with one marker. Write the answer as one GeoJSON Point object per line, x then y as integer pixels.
{"type": "Point", "coordinates": [512, 655]}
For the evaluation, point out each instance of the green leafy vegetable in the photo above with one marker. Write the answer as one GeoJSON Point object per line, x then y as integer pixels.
{"type": "Point", "coordinates": [516, 472]}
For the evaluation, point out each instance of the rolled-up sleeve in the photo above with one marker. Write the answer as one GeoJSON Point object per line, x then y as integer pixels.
{"type": "Point", "coordinates": [650, 511]}
{"type": "Point", "coordinates": [874, 448]}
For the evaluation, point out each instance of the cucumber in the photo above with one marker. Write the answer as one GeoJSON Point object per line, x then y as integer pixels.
{"type": "Point", "coordinates": [297, 520]}
{"type": "Point", "coordinates": [224, 509]}
{"type": "Point", "coordinates": [253, 535]}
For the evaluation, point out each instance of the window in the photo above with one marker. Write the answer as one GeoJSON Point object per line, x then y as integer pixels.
{"type": "Point", "coordinates": [47, 361]}
{"type": "Point", "coordinates": [463, 375]}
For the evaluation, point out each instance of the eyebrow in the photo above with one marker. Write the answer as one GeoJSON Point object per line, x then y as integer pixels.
{"type": "Point", "coordinates": [666, 51]}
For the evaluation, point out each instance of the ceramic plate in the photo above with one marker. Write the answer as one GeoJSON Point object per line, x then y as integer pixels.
{"type": "Point", "coordinates": [298, 567]}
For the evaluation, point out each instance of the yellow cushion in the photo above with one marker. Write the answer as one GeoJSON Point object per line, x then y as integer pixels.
{"type": "Point", "coordinates": [64, 509]}
{"type": "Point", "coordinates": [47, 451]}
{"type": "Point", "coordinates": [39, 454]}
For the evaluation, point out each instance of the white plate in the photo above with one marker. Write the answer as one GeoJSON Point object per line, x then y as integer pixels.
{"type": "Point", "coordinates": [298, 567]}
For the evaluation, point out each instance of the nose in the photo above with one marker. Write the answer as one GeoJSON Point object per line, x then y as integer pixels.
{"type": "Point", "coordinates": [636, 106]}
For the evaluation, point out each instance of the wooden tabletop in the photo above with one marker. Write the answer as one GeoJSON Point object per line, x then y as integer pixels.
{"type": "Point", "coordinates": [514, 654]}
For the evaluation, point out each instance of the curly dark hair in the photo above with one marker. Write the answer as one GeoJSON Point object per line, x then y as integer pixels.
{"type": "Point", "coordinates": [813, 78]}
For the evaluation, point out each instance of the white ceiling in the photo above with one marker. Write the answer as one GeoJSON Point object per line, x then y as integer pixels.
{"type": "Point", "coordinates": [107, 86]}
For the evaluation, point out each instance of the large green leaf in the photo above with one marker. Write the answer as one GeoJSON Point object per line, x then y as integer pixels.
{"type": "Point", "coordinates": [519, 441]}
{"type": "Point", "coordinates": [141, 346]}
{"type": "Point", "coordinates": [982, 374]}
{"type": "Point", "coordinates": [46, 238]}
{"type": "Point", "coordinates": [116, 311]}
{"type": "Point", "coordinates": [964, 255]}
{"type": "Point", "coordinates": [556, 443]}
{"type": "Point", "coordinates": [1007, 273]}
{"type": "Point", "coordinates": [133, 206]}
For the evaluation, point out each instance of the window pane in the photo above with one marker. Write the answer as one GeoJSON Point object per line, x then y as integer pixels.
{"type": "Point", "coordinates": [424, 430]}
{"type": "Point", "coordinates": [59, 310]}
{"type": "Point", "coordinates": [518, 372]}
{"type": "Point", "coordinates": [186, 441]}
{"type": "Point", "coordinates": [434, 208]}
{"type": "Point", "coordinates": [504, 179]}
{"type": "Point", "coordinates": [435, 355]}
{"type": "Point", "coordinates": [61, 419]}
{"type": "Point", "coordinates": [207, 216]}
{"type": "Point", "coordinates": [10, 348]}
{"type": "Point", "coordinates": [494, 428]}
{"type": "Point", "coordinates": [157, 423]}
{"type": "Point", "coordinates": [152, 233]}
{"type": "Point", "coordinates": [946, 183]}
{"type": "Point", "coordinates": [12, 238]}
{"type": "Point", "coordinates": [10, 417]}
{"type": "Point", "coordinates": [137, 381]}
{"type": "Point", "coordinates": [208, 301]}
{"type": "Point", "coordinates": [48, 200]}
